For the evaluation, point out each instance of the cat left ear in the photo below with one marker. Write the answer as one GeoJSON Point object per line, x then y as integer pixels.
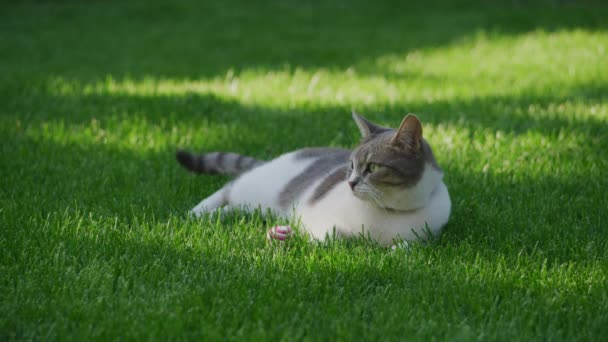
{"type": "Point", "coordinates": [409, 133]}
{"type": "Point", "coordinates": [366, 127]}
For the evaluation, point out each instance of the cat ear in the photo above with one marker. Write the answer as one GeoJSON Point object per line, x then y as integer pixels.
{"type": "Point", "coordinates": [366, 127]}
{"type": "Point", "coordinates": [409, 133]}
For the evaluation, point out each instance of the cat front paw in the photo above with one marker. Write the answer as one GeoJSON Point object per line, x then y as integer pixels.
{"type": "Point", "coordinates": [280, 233]}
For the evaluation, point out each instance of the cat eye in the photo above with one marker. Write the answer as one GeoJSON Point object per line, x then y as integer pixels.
{"type": "Point", "coordinates": [371, 168]}
{"type": "Point", "coordinates": [352, 165]}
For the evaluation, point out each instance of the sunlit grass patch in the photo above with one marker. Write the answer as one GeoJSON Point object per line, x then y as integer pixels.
{"type": "Point", "coordinates": [562, 62]}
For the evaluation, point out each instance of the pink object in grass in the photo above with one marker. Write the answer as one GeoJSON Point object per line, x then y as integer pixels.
{"type": "Point", "coordinates": [279, 233]}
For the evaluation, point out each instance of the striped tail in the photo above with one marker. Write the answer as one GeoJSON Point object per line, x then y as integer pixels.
{"type": "Point", "coordinates": [225, 163]}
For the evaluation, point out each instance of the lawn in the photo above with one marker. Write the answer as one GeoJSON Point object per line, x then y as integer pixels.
{"type": "Point", "coordinates": [95, 97]}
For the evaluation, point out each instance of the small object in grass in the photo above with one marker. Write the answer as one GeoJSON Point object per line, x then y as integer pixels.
{"type": "Point", "coordinates": [280, 233]}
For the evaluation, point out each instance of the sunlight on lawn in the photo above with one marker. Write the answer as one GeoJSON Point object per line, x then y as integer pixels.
{"type": "Point", "coordinates": [481, 65]}
{"type": "Point", "coordinates": [549, 71]}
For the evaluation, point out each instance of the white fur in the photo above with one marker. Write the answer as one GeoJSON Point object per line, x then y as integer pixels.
{"type": "Point", "coordinates": [351, 216]}
{"type": "Point", "coordinates": [213, 202]}
{"type": "Point", "coordinates": [419, 195]}
{"type": "Point", "coordinates": [259, 187]}
{"type": "Point", "coordinates": [339, 208]}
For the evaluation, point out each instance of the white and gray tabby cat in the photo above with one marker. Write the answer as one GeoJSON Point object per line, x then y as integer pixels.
{"type": "Point", "coordinates": [389, 188]}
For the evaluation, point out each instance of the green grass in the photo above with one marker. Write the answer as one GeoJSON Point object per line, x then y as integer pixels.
{"type": "Point", "coordinates": [95, 98]}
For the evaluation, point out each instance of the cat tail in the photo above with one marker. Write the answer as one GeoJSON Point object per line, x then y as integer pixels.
{"type": "Point", "coordinates": [225, 163]}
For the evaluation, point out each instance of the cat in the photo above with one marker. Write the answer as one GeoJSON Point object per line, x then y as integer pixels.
{"type": "Point", "coordinates": [389, 188]}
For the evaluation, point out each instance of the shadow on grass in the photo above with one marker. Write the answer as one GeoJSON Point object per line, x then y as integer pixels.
{"type": "Point", "coordinates": [252, 125]}
{"type": "Point", "coordinates": [193, 40]}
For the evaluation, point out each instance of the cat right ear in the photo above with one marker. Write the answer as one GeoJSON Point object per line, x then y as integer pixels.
{"type": "Point", "coordinates": [366, 127]}
{"type": "Point", "coordinates": [409, 133]}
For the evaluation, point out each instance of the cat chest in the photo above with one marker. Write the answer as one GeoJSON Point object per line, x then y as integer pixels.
{"type": "Point", "coordinates": [351, 216]}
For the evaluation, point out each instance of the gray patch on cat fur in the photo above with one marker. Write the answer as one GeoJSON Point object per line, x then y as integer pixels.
{"type": "Point", "coordinates": [320, 152]}
{"type": "Point", "coordinates": [327, 159]}
{"type": "Point", "coordinates": [371, 131]}
{"type": "Point", "coordinates": [191, 162]}
{"type": "Point", "coordinates": [239, 161]}
{"type": "Point", "coordinates": [231, 164]}
{"type": "Point", "coordinates": [407, 167]}
{"type": "Point", "coordinates": [404, 168]}
{"type": "Point", "coordinates": [219, 161]}
{"type": "Point", "coordinates": [334, 178]}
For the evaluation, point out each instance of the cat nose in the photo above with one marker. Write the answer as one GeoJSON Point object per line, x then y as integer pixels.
{"type": "Point", "coordinates": [353, 184]}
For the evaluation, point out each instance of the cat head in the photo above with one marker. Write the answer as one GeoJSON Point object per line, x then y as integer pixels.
{"type": "Point", "coordinates": [393, 168]}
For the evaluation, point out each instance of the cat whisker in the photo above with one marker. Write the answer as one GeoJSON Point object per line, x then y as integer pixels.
{"type": "Point", "coordinates": [376, 195]}
{"type": "Point", "coordinates": [380, 198]}
{"type": "Point", "coordinates": [374, 198]}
